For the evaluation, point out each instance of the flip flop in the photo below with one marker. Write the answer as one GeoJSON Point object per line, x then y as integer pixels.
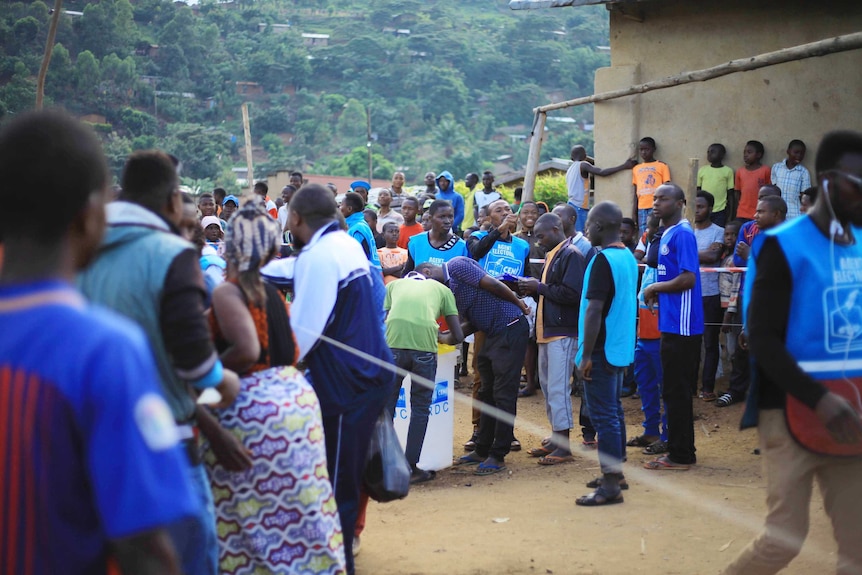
{"type": "Point", "coordinates": [526, 393]}
{"type": "Point", "coordinates": [469, 459]}
{"type": "Point", "coordinates": [664, 463]}
{"type": "Point", "coordinates": [597, 498]}
{"type": "Point", "coordinates": [540, 451]}
{"type": "Point", "coordinates": [597, 482]}
{"type": "Point", "coordinates": [488, 469]}
{"type": "Point", "coordinates": [555, 459]}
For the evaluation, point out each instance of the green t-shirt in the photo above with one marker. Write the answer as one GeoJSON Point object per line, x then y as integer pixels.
{"type": "Point", "coordinates": [414, 306]}
{"type": "Point", "coordinates": [716, 181]}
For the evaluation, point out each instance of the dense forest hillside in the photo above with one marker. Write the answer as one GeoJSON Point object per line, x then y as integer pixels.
{"type": "Point", "coordinates": [445, 83]}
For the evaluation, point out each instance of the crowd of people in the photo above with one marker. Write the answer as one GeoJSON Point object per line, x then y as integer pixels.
{"type": "Point", "coordinates": [218, 363]}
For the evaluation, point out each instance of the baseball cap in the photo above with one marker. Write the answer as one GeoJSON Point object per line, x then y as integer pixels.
{"type": "Point", "coordinates": [209, 221]}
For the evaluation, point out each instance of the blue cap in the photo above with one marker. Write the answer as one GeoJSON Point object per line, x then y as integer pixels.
{"type": "Point", "coordinates": [230, 198]}
{"type": "Point", "coordinates": [359, 184]}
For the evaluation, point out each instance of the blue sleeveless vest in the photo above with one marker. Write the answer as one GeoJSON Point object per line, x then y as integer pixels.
{"type": "Point", "coordinates": [504, 257]}
{"type": "Point", "coordinates": [621, 321]}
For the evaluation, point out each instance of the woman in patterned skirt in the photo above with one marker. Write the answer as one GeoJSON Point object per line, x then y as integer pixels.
{"type": "Point", "coordinates": [278, 515]}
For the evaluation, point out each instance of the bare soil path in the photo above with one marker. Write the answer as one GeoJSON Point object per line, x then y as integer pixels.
{"type": "Point", "coordinates": [526, 521]}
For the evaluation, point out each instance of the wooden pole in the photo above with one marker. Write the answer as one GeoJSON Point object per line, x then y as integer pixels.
{"type": "Point", "coordinates": [249, 162]}
{"type": "Point", "coordinates": [811, 50]}
{"type": "Point", "coordinates": [533, 156]}
{"type": "Point", "coordinates": [49, 51]}
{"type": "Point", "coordinates": [691, 190]}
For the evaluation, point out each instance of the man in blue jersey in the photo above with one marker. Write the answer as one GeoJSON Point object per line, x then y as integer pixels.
{"type": "Point", "coordinates": [803, 320]}
{"type": "Point", "coordinates": [148, 273]}
{"type": "Point", "coordinates": [439, 244]}
{"type": "Point", "coordinates": [607, 343]}
{"type": "Point", "coordinates": [489, 306]}
{"type": "Point", "coordinates": [340, 338]}
{"type": "Point", "coordinates": [680, 321]}
{"type": "Point", "coordinates": [91, 471]}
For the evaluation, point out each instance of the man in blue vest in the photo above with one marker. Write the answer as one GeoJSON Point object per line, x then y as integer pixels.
{"type": "Point", "coordinates": [804, 279]}
{"type": "Point", "coordinates": [607, 343]}
{"type": "Point", "coordinates": [498, 251]}
{"type": "Point", "coordinates": [680, 321]}
{"type": "Point", "coordinates": [147, 272]}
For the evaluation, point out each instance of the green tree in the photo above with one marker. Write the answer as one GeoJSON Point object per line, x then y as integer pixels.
{"type": "Point", "coordinates": [19, 94]}
{"type": "Point", "coordinates": [87, 78]}
{"type": "Point", "coordinates": [352, 123]}
{"type": "Point", "coordinates": [200, 149]}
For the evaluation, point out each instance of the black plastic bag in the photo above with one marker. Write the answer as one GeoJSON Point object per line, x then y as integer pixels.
{"type": "Point", "coordinates": [387, 473]}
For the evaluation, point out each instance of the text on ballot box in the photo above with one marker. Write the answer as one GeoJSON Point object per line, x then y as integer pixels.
{"type": "Point", "coordinates": [437, 450]}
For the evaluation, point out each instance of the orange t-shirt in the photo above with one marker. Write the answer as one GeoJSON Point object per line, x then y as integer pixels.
{"type": "Point", "coordinates": [389, 258]}
{"type": "Point", "coordinates": [407, 232]}
{"type": "Point", "coordinates": [749, 182]}
{"type": "Point", "coordinates": [647, 177]}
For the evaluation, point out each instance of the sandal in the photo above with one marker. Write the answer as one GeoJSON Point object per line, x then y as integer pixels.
{"type": "Point", "coordinates": [485, 468]}
{"type": "Point", "coordinates": [664, 463]}
{"type": "Point", "coordinates": [597, 482]}
{"type": "Point", "coordinates": [589, 445]}
{"type": "Point", "coordinates": [599, 497]}
{"type": "Point", "coordinates": [708, 396]}
{"type": "Point", "coordinates": [656, 448]}
{"type": "Point", "coordinates": [469, 459]}
{"type": "Point", "coordinates": [555, 459]}
{"type": "Point", "coordinates": [641, 441]}
{"type": "Point", "coordinates": [540, 451]}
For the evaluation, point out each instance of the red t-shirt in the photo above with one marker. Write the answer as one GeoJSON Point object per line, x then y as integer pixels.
{"type": "Point", "coordinates": [749, 182]}
{"type": "Point", "coordinates": [406, 232]}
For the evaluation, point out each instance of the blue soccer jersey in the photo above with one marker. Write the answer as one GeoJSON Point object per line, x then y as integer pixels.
{"type": "Point", "coordinates": [88, 446]}
{"type": "Point", "coordinates": [679, 312]}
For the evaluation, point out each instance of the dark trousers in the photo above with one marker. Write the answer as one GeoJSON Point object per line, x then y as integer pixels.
{"type": "Point", "coordinates": [719, 218]}
{"type": "Point", "coordinates": [679, 359]}
{"type": "Point", "coordinates": [587, 429]}
{"type": "Point", "coordinates": [347, 439]}
{"type": "Point", "coordinates": [499, 363]}
{"type": "Point", "coordinates": [740, 373]}
{"type": "Point", "coordinates": [712, 318]}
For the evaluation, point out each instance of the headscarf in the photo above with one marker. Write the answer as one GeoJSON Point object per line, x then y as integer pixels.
{"type": "Point", "coordinates": [252, 238]}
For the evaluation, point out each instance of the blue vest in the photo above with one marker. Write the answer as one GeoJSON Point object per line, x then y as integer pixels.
{"type": "Point", "coordinates": [504, 257]}
{"type": "Point", "coordinates": [144, 255]}
{"type": "Point", "coordinates": [824, 327]}
{"type": "Point", "coordinates": [621, 320]}
{"type": "Point", "coordinates": [422, 251]}
{"type": "Point", "coordinates": [359, 230]}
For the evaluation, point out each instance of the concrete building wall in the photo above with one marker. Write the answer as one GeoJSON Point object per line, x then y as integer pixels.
{"type": "Point", "coordinates": [802, 99]}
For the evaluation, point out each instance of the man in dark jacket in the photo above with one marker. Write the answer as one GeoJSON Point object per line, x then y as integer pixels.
{"type": "Point", "coordinates": [558, 295]}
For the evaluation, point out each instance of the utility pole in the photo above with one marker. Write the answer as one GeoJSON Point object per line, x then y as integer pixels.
{"type": "Point", "coordinates": [248, 158]}
{"type": "Point", "coordinates": [368, 142]}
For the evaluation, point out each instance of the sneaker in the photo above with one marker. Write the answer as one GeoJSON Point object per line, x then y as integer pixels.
{"type": "Point", "coordinates": [471, 445]}
{"type": "Point", "coordinates": [725, 400]}
{"type": "Point", "coordinates": [516, 445]}
{"type": "Point", "coordinates": [357, 545]}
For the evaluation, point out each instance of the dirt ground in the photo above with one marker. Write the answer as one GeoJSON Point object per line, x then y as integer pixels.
{"type": "Point", "coordinates": [526, 521]}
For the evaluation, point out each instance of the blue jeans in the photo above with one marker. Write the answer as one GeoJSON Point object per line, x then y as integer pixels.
{"type": "Point", "coordinates": [195, 537]}
{"type": "Point", "coordinates": [648, 374]}
{"type": "Point", "coordinates": [643, 216]}
{"type": "Point", "coordinates": [602, 395]}
{"type": "Point", "coordinates": [581, 222]}
{"type": "Point", "coordinates": [423, 364]}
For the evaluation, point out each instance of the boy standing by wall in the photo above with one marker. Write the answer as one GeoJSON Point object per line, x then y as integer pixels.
{"type": "Point", "coordinates": [646, 177]}
{"type": "Point", "coordinates": [792, 177]}
{"type": "Point", "coordinates": [718, 180]}
{"type": "Point", "coordinates": [749, 179]}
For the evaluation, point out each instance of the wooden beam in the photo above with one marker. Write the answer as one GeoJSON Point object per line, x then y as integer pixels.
{"type": "Point", "coordinates": [249, 162]}
{"type": "Point", "coordinates": [533, 156]}
{"type": "Point", "coordinates": [811, 50]}
{"type": "Point", "coordinates": [49, 51]}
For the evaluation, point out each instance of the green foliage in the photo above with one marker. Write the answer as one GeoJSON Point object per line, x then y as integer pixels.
{"type": "Point", "coordinates": [444, 95]}
{"type": "Point", "coordinates": [550, 189]}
